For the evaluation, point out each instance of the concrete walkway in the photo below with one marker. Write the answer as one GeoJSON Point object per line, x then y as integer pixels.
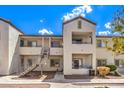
{"type": "Point", "coordinates": [60, 82]}
{"type": "Point", "coordinates": [59, 78]}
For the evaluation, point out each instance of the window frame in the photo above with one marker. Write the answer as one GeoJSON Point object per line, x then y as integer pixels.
{"type": "Point", "coordinates": [53, 42]}
{"type": "Point", "coordinates": [80, 63]}
{"type": "Point", "coordinates": [101, 64]}
{"type": "Point", "coordinates": [99, 44]}
{"type": "Point", "coordinates": [79, 24]}
{"type": "Point", "coordinates": [31, 42]}
{"type": "Point", "coordinates": [120, 63]}
{"type": "Point", "coordinates": [53, 64]}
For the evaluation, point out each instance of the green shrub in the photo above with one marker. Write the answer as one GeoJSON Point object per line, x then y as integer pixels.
{"type": "Point", "coordinates": [117, 73]}
{"type": "Point", "coordinates": [112, 67]}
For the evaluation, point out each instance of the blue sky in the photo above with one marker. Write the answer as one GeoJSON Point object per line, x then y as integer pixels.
{"type": "Point", "coordinates": [49, 18]}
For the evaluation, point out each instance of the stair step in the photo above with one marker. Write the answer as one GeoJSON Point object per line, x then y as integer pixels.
{"type": "Point", "coordinates": [44, 55]}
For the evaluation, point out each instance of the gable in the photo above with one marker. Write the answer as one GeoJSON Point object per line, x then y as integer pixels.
{"type": "Point", "coordinates": [80, 17]}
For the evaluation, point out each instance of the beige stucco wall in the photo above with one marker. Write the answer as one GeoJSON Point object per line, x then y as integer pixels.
{"type": "Point", "coordinates": [46, 64]}
{"type": "Point", "coordinates": [14, 56]}
{"type": "Point", "coordinates": [9, 54]}
{"type": "Point", "coordinates": [4, 48]}
{"type": "Point", "coordinates": [70, 48]}
{"type": "Point", "coordinates": [103, 53]}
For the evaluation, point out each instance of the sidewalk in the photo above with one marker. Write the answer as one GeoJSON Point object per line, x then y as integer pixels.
{"type": "Point", "coordinates": [59, 78]}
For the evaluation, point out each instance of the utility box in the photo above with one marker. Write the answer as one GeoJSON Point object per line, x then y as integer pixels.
{"type": "Point", "coordinates": [91, 72]}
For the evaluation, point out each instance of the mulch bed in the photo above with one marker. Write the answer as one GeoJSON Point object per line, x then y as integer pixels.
{"type": "Point", "coordinates": [91, 77]}
{"type": "Point", "coordinates": [78, 77]}
{"type": "Point", "coordinates": [25, 85]}
{"type": "Point", "coordinates": [50, 75]}
{"type": "Point", "coordinates": [37, 75]}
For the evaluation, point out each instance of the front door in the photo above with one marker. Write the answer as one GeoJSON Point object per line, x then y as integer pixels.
{"type": "Point", "coordinates": [22, 64]}
{"type": "Point", "coordinates": [76, 63]}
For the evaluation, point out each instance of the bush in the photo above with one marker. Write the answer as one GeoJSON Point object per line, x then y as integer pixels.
{"type": "Point", "coordinates": [103, 71]}
{"type": "Point", "coordinates": [112, 67]}
{"type": "Point", "coordinates": [116, 73]}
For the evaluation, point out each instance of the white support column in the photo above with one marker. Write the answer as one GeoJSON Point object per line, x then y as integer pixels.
{"type": "Point", "coordinates": [25, 42]}
{"type": "Point", "coordinates": [49, 42]}
{"type": "Point", "coordinates": [42, 41]}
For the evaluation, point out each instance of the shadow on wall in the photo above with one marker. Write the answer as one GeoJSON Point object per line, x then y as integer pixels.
{"type": "Point", "coordinates": [14, 64]}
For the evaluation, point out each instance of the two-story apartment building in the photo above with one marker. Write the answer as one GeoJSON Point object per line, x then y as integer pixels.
{"type": "Point", "coordinates": [74, 52]}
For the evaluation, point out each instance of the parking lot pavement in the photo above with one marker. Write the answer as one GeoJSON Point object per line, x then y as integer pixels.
{"type": "Point", "coordinates": [71, 85]}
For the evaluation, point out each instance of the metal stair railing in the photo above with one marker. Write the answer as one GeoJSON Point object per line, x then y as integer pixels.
{"type": "Point", "coordinates": [43, 55]}
{"type": "Point", "coordinates": [28, 70]}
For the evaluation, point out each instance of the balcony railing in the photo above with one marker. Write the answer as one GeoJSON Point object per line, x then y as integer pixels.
{"type": "Point", "coordinates": [31, 46]}
{"type": "Point", "coordinates": [73, 42]}
{"type": "Point", "coordinates": [59, 46]}
{"type": "Point", "coordinates": [82, 66]}
{"type": "Point", "coordinates": [30, 50]}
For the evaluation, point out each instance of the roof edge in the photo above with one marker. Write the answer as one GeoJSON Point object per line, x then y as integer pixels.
{"type": "Point", "coordinates": [10, 23]}
{"type": "Point", "coordinates": [108, 36]}
{"type": "Point", "coordinates": [42, 35]}
{"type": "Point", "coordinates": [81, 18]}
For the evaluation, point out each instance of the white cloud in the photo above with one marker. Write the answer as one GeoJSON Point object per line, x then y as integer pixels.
{"type": "Point", "coordinates": [116, 34]}
{"type": "Point", "coordinates": [41, 21]}
{"type": "Point", "coordinates": [108, 25]}
{"type": "Point", "coordinates": [78, 11]}
{"type": "Point", "coordinates": [104, 33]}
{"type": "Point", "coordinates": [45, 32]}
{"type": "Point", "coordinates": [107, 33]}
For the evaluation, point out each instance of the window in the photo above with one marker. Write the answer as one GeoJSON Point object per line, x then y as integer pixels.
{"type": "Point", "coordinates": [102, 43]}
{"type": "Point", "coordinates": [32, 43]}
{"type": "Point", "coordinates": [101, 62]}
{"type": "Point", "coordinates": [55, 44]}
{"type": "Point", "coordinates": [119, 63]}
{"type": "Point", "coordinates": [55, 62]}
{"type": "Point", "coordinates": [30, 62]}
{"type": "Point", "coordinates": [79, 24]}
{"type": "Point", "coordinates": [99, 43]}
{"type": "Point", "coordinates": [21, 43]}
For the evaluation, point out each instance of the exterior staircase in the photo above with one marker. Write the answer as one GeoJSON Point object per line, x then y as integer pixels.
{"type": "Point", "coordinates": [44, 55]}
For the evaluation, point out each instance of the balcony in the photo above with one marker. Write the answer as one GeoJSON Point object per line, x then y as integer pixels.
{"type": "Point", "coordinates": [30, 50]}
{"type": "Point", "coordinates": [56, 51]}
{"type": "Point", "coordinates": [79, 48]}
{"type": "Point", "coordinates": [80, 42]}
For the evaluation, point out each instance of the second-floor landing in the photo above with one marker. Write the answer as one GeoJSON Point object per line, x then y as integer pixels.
{"type": "Point", "coordinates": [32, 44]}
{"type": "Point", "coordinates": [51, 41]}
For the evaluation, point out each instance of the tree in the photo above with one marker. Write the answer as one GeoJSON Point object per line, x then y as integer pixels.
{"type": "Point", "coordinates": [117, 23]}
{"type": "Point", "coordinates": [117, 26]}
